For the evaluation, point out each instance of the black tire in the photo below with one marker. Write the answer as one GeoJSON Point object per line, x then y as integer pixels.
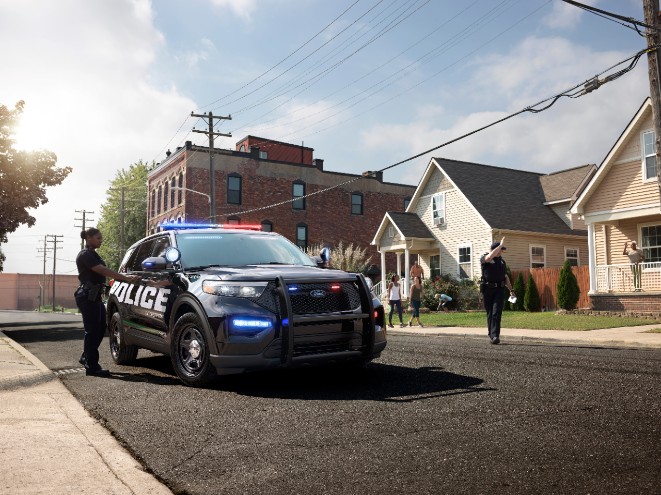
{"type": "Point", "coordinates": [120, 352]}
{"type": "Point", "coordinates": [190, 353]}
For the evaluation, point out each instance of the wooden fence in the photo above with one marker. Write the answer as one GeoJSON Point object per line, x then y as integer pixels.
{"type": "Point", "coordinates": [546, 280]}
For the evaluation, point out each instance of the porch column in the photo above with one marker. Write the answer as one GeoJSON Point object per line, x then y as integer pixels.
{"type": "Point", "coordinates": [592, 259]}
{"type": "Point", "coordinates": [384, 274]}
{"type": "Point", "coordinates": [407, 272]}
{"type": "Point", "coordinates": [399, 263]}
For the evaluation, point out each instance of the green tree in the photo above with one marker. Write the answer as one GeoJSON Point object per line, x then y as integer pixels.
{"type": "Point", "coordinates": [133, 182]}
{"type": "Point", "coordinates": [24, 176]}
{"type": "Point", "coordinates": [519, 291]}
{"type": "Point", "coordinates": [531, 300]}
{"type": "Point", "coordinates": [349, 258]}
{"type": "Point", "coordinates": [567, 288]}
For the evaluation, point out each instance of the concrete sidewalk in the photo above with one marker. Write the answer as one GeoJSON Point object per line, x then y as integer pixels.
{"type": "Point", "coordinates": [50, 444]}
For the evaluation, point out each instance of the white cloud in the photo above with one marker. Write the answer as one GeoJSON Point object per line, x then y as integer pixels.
{"type": "Point", "coordinates": [564, 15]}
{"type": "Point", "coordinates": [83, 69]}
{"type": "Point", "coordinates": [240, 8]}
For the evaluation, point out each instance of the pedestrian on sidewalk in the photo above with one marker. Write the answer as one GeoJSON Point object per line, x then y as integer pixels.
{"type": "Point", "coordinates": [492, 286]}
{"type": "Point", "coordinates": [636, 257]}
{"type": "Point", "coordinates": [92, 273]}
{"type": "Point", "coordinates": [415, 298]}
{"type": "Point", "coordinates": [395, 299]}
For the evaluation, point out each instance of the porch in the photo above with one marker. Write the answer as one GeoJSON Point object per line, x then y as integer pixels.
{"type": "Point", "coordinates": [619, 278]}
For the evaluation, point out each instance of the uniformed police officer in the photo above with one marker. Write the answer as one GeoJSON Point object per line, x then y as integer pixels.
{"type": "Point", "coordinates": [92, 273]}
{"type": "Point", "coordinates": [492, 285]}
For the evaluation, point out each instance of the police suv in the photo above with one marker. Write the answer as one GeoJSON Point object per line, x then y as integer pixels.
{"type": "Point", "coordinates": [235, 299]}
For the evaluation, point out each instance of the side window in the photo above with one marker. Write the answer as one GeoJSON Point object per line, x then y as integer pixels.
{"type": "Point", "coordinates": [142, 252]}
{"type": "Point", "coordinates": [160, 245]}
{"type": "Point", "coordinates": [465, 265]}
{"type": "Point", "coordinates": [649, 156]}
{"type": "Point", "coordinates": [438, 209]}
{"type": "Point", "coordinates": [356, 204]}
{"type": "Point", "coordinates": [125, 260]}
{"type": "Point", "coordinates": [302, 236]}
{"type": "Point", "coordinates": [298, 191]}
{"type": "Point", "coordinates": [234, 189]}
{"type": "Point", "coordinates": [537, 256]}
{"type": "Point", "coordinates": [571, 254]}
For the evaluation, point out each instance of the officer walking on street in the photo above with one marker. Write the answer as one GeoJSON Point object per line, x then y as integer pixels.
{"type": "Point", "coordinates": [492, 285]}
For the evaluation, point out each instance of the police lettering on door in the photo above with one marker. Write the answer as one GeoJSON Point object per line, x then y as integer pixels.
{"type": "Point", "coordinates": [142, 296]}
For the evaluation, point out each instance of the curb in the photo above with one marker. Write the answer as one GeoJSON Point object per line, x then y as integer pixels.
{"type": "Point", "coordinates": [41, 375]}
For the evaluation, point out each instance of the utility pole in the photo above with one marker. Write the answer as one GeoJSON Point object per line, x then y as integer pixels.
{"type": "Point", "coordinates": [211, 134]}
{"type": "Point", "coordinates": [652, 18]}
{"type": "Point", "coordinates": [84, 213]}
{"type": "Point", "coordinates": [55, 241]}
{"type": "Point", "coordinates": [42, 289]}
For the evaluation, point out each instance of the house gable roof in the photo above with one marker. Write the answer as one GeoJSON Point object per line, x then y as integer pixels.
{"type": "Point", "coordinates": [566, 184]}
{"type": "Point", "coordinates": [409, 226]}
{"type": "Point", "coordinates": [507, 199]}
{"type": "Point", "coordinates": [608, 162]}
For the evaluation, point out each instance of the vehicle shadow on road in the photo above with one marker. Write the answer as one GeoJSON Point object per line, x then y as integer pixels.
{"type": "Point", "coordinates": [377, 382]}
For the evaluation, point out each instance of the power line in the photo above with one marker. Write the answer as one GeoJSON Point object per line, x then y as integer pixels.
{"type": "Point", "coordinates": [611, 16]}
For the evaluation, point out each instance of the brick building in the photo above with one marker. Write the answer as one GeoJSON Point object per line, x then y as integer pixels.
{"type": "Point", "coordinates": [261, 173]}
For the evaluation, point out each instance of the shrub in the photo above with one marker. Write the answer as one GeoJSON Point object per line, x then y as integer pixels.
{"type": "Point", "coordinates": [519, 291]}
{"type": "Point", "coordinates": [464, 293]}
{"type": "Point", "coordinates": [349, 258]}
{"type": "Point", "coordinates": [568, 291]}
{"type": "Point", "coordinates": [531, 300]}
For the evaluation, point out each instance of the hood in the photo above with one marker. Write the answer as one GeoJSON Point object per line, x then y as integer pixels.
{"type": "Point", "coordinates": [271, 272]}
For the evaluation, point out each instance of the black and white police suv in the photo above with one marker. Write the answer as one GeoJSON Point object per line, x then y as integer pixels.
{"type": "Point", "coordinates": [239, 300]}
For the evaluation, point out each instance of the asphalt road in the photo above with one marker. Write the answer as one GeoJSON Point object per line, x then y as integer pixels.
{"type": "Point", "coordinates": [433, 415]}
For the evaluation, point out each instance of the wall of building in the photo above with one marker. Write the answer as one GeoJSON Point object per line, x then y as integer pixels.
{"type": "Point", "coordinates": [23, 291]}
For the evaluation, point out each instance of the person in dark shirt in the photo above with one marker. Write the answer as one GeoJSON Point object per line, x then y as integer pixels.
{"type": "Point", "coordinates": [492, 286]}
{"type": "Point", "coordinates": [92, 273]}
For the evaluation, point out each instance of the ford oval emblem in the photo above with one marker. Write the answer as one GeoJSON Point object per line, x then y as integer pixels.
{"type": "Point", "coordinates": [318, 293]}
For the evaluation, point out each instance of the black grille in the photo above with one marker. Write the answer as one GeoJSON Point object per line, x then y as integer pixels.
{"type": "Point", "coordinates": [314, 298]}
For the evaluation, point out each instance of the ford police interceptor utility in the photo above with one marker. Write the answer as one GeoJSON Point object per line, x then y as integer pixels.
{"type": "Point", "coordinates": [235, 300]}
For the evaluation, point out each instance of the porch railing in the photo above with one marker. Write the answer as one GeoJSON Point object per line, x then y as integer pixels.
{"type": "Point", "coordinates": [619, 278]}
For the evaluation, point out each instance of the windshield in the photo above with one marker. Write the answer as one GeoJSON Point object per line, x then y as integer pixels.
{"type": "Point", "coordinates": [238, 249]}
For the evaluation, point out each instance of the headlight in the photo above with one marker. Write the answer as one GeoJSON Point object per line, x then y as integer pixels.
{"type": "Point", "coordinates": [250, 290]}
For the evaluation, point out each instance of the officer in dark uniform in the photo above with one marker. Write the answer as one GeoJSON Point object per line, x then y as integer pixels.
{"type": "Point", "coordinates": [492, 285]}
{"type": "Point", "coordinates": [92, 273]}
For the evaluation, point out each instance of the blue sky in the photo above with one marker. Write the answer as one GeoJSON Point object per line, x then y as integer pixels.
{"type": "Point", "coordinates": [365, 83]}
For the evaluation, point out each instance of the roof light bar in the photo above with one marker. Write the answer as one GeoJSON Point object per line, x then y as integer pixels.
{"type": "Point", "coordinates": [191, 226]}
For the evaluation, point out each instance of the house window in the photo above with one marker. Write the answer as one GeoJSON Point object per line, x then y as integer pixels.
{"type": "Point", "coordinates": [153, 203]}
{"type": "Point", "coordinates": [159, 195]}
{"type": "Point", "coordinates": [243, 148]}
{"type": "Point", "coordinates": [263, 155]}
{"type": "Point", "coordinates": [173, 193]}
{"type": "Point", "coordinates": [356, 204]}
{"type": "Point", "coordinates": [537, 256]}
{"type": "Point", "coordinates": [571, 254]}
{"type": "Point", "coordinates": [233, 221]}
{"type": "Point", "coordinates": [165, 195]}
{"type": "Point", "coordinates": [438, 209]}
{"type": "Point", "coordinates": [234, 189]}
{"type": "Point", "coordinates": [181, 189]}
{"type": "Point", "coordinates": [649, 160]}
{"type": "Point", "coordinates": [267, 226]}
{"type": "Point", "coordinates": [407, 202]}
{"type": "Point", "coordinates": [391, 231]}
{"type": "Point", "coordinates": [434, 266]}
{"type": "Point", "coordinates": [298, 191]}
{"type": "Point", "coordinates": [464, 256]}
{"type": "Point", "coordinates": [651, 243]}
{"type": "Point", "coordinates": [302, 236]}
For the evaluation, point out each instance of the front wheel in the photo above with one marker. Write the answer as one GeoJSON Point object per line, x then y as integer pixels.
{"type": "Point", "coordinates": [121, 352]}
{"type": "Point", "coordinates": [190, 351]}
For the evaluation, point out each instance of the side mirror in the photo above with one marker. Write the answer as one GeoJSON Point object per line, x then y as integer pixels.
{"type": "Point", "coordinates": [154, 263]}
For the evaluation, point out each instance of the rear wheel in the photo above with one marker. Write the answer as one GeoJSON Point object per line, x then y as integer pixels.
{"type": "Point", "coordinates": [121, 352]}
{"type": "Point", "coordinates": [190, 351]}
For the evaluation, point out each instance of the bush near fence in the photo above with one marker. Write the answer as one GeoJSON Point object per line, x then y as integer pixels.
{"type": "Point", "coordinates": [546, 280]}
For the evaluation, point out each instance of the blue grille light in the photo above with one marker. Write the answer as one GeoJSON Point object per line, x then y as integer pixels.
{"type": "Point", "coordinates": [246, 326]}
{"type": "Point", "coordinates": [293, 288]}
{"type": "Point", "coordinates": [251, 323]}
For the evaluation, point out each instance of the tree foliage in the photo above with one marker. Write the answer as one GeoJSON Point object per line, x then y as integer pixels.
{"type": "Point", "coordinates": [519, 291]}
{"type": "Point", "coordinates": [568, 290]}
{"type": "Point", "coordinates": [133, 182]}
{"type": "Point", "coordinates": [531, 300]}
{"type": "Point", "coordinates": [24, 176]}
{"type": "Point", "coordinates": [348, 257]}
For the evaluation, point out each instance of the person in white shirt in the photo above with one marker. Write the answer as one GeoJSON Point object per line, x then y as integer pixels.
{"type": "Point", "coordinates": [395, 300]}
{"type": "Point", "coordinates": [636, 257]}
